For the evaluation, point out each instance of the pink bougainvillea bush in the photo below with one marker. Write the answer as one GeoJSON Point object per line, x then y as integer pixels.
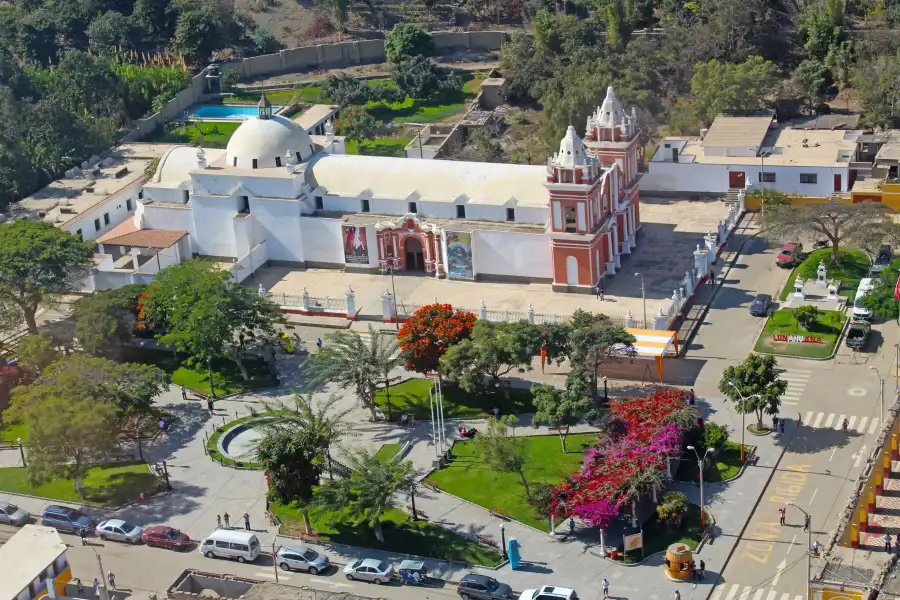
{"type": "Point", "coordinates": [643, 433]}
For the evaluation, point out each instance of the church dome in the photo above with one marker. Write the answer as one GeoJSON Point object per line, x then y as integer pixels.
{"type": "Point", "coordinates": [571, 150]}
{"type": "Point", "coordinates": [265, 140]}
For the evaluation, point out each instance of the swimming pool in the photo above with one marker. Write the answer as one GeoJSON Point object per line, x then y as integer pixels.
{"type": "Point", "coordinates": [226, 111]}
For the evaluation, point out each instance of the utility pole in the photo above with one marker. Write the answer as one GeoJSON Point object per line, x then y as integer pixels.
{"type": "Point", "coordinates": [808, 550]}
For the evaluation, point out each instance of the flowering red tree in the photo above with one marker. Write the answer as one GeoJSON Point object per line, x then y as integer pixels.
{"type": "Point", "coordinates": [427, 334]}
{"type": "Point", "coordinates": [643, 433]}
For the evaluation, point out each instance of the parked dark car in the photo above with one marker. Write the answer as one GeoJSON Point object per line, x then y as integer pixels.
{"type": "Point", "coordinates": [761, 305]}
{"type": "Point", "coordinates": [63, 518]}
{"type": "Point", "coordinates": [882, 260]}
{"type": "Point", "coordinates": [165, 537]}
{"type": "Point", "coordinates": [482, 587]}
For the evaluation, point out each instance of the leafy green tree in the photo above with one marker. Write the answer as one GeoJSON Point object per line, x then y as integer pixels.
{"type": "Point", "coordinates": [841, 224]}
{"type": "Point", "coordinates": [715, 437]}
{"type": "Point", "coordinates": [421, 78]}
{"type": "Point", "coordinates": [346, 90]}
{"type": "Point", "coordinates": [372, 488]}
{"type": "Point", "coordinates": [295, 447]}
{"type": "Point", "coordinates": [594, 338]}
{"type": "Point", "coordinates": [558, 408]}
{"type": "Point", "coordinates": [821, 29]}
{"type": "Point", "coordinates": [616, 30]}
{"type": "Point", "coordinates": [881, 300]}
{"type": "Point", "coordinates": [109, 31]}
{"type": "Point", "coordinates": [502, 451]}
{"type": "Point", "coordinates": [154, 18]}
{"type": "Point", "coordinates": [407, 40]}
{"type": "Point", "coordinates": [841, 60]}
{"type": "Point", "coordinates": [490, 352]}
{"type": "Point", "coordinates": [683, 119]}
{"type": "Point", "coordinates": [67, 435]}
{"type": "Point", "coordinates": [264, 41]}
{"type": "Point", "coordinates": [757, 380]}
{"type": "Point", "coordinates": [813, 80]}
{"type": "Point", "coordinates": [672, 508]}
{"type": "Point", "coordinates": [740, 88]}
{"type": "Point", "coordinates": [36, 353]}
{"type": "Point", "coordinates": [37, 262]}
{"type": "Point", "coordinates": [195, 35]}
{"type": "Point", "coordinates": [347, 360]}
{"type": "Point", "coordinates": [207, 314]}
{"type": "Point", "coordinates": [806, 315]}
{"type": "Point", "coordinates": [355, 123]}
{"type": "Point", "coordinates": [104, 320]}
{"type": "Point", "coordinates": [877, 83]}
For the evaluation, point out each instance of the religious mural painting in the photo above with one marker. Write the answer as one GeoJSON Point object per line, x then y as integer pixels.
{"type": "Point", "coordinates": [459, 255]}
{"type": "Point", "coordinates": [356, 246]}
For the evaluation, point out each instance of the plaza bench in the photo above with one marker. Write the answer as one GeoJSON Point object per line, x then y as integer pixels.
{"type": "Point", "coordinates": [496, 512]}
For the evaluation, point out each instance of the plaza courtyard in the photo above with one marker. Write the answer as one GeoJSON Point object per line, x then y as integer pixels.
{"type": "Point", "coordinates": [670, 232]}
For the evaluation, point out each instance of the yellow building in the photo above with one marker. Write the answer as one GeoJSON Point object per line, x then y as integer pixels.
{"type": "Point", "coordinates": [34, 565]}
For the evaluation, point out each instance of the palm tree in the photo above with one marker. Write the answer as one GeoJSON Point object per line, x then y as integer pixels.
{"type": "Point", "coordinates": [346, 359]}
{"type": "Point", "coordinates": [372, 487]}
{"type": "Point", "coordinates": [295, 446]}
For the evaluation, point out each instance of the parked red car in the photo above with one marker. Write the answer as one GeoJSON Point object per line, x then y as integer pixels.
{"type": "Point", "coordinates": [789, 255]}
{"type": "Point", "coordinates": [165, 537]}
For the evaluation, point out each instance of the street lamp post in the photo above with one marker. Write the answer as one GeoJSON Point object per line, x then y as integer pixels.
{"type": "Point", "coordinates": [743, 412]}
{"type": "Point", "coordinates": [808, 550]}
{"type": "Point", "coordinates": [881, 381]}
{"type": "Point", "coordinates": [212, 390]}
{"type": "Point", "coordinates": [643, 298]}
{"type": "Point", "coordinates": [700, 462]}
{"type": "Point", "coordinates": [605, 390]}
{"type": "Point", "coordinates": [22, 452]}
{"type": "Point", "coordinates": [503, 541]}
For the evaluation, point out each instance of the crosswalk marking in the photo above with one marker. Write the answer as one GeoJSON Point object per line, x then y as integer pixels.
{"type": "Point", "coordinates": [851, 423]}
{"type": "Point", "coordinates": [864, 426]}
{"type": "Point", "coordinates": [874, 426]}
{"type": "Point", "coordinates": [759, 593]}
{"type": "Point", "coordinates": [785, 596]}
{"type": "Point", "coordinates": [829, 421]}
{"type": "Point", "coordinates": [796, 382]}
{"type": "Point", "coordinates": [840, 422]}
{"type": "Point", "coordinates": [862, 423]}
{"type": "Point", "coordinates": [819, 419]}
{"type": "Point", "coordinates": [772, 594]}
{"type": "Point", "coordinates": [732, 592]}
{"type": "Point", "coordinates": [746, 592]}
{"type": "Point", "coordinates": [749, 592]}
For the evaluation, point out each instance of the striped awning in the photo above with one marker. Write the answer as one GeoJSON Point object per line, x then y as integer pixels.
{"type": "Point", "coordinates": [652, 343]}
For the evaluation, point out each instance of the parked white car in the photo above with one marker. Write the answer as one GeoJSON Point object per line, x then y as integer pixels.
{"type": "Point", "coordinates": [119, 531]}
{"type": "Point", "coordinates": [297, 558]}
{"type": "Point", "coordinates": [549, 592]}
{"type": "Point", "coordinates": [369, 569]}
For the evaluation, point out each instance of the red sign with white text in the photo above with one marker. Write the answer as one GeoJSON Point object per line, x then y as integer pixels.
{"type": "Point", "coordinates": [796, 339]}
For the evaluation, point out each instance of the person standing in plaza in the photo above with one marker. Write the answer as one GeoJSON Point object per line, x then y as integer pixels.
{"type": "Point", "coordinates": [805, 522]}
{"type": "Point", "coordinates": [571, 525]}
{"type": "Point", "coordinates": [887, 543]}
{"type": "Point", "coordinates": [83, 533]}
{"type": "Point", "coordinates": [781, 512]}
{"type": "Point", "coordinates": [605, 586]}
{"type": "Point", "coordinates": [246, 521]}
{"type": "Point", "coordinates": [209, 404]}
{"type": "Point", "coordinates": [677, 595]}
{"type": "Point", "coordinates": [227, 518]}
{"type": "Point", "coordinates": [112, 579]}
{"type": "Point", "coordinates": [218, 521]}
{"type": "Point", "coordinates": [183, 392]}
{"type": "Point", "coordinates": [702, 570]}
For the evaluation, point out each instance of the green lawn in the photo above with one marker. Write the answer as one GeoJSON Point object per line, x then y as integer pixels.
{"type": "Point", "coordinates": [401, 534]}
{"type": "Point", "coordinates": [658, 536]}
{"type": "Point", "coordinates": [226, 377]}
{"type": "Point", "coordinates": [468, 477]}
{"type": "Point", "coordinates": [310, 93]}
{"type": "Point", "coordinates": [212, 445]}
{"type": "Point", "coordinates": [783, 322]}
{"type": "Point", "coordinates": [411, 396]}
{"type": "Point", "coordinates": [12, 432]}
{"type": "Point", "coordinates": [728, 465]}
{"type": "Point", "coordinates": [205, 133]}
{"type": "Point", "coordinates": [381, 146]}
{"type": "Point", "coordinates": [110, 485]}
{"type": "Point", "coordinates": [853, 266]}
{"type": "Point", "coordinates": [388, 452]}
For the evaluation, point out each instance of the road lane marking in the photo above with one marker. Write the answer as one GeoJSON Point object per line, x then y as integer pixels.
{"type": "Point", "coordinates": [759, 593]}
{"type": "Point", "coordinates": [326, 581]}
{"type": "Point", "coordinates": [746, 592]}
{"type": "Point", "coordinates": [786, 596]}
{"type": "Point", "coordinates": [859, 456]}
{"type": "Point", "coordinates": [862, 424]}
{"type": "Point", "coordinates": [808, 418]}
{"type": "Point", "coordinates": [829, 420]}
{"type": "Point", "coordinates": [732, 592]}
{"type": "Point", "coordinates": [718, 592]}
{"type": "Point", "coordinates": [772, 594]}
{"type": "Point", "coordinates": [789, 403]}
{"type": "Point", "coordinates": [873, 426]}
{"type": "Point", "coordinates": [852, 424]}
{"type": "Point", "coordinates": [790, 547]}
{"type": "Point", "coordinates": [832, 454]}
{"type": "Point", "coordinates": [779, 570]}
{"type": "Point", "coordinates": [819, 419]}
{"type": "Point", "coordinates": [813, 497]}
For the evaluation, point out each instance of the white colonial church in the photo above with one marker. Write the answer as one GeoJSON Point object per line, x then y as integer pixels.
{"type": "Point", "coordinates": [277, 195]}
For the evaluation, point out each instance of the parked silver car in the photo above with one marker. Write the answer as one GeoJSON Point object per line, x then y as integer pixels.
{"type": "Point", "coordinates": [297, 558]}
{"type": "Point", "coordinates": [369, 569]}
{"type": "Point", "coordinates": [11, 514]}
{"type": "Point", "coordinates": [119, 531]}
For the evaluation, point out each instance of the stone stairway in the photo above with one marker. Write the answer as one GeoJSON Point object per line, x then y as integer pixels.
{"type": "Point", "coordinates": [731, 196]}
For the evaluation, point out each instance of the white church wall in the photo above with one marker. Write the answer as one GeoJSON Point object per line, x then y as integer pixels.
{"type": "Point", "coordinates": [92, 223]}
{"type": "Point", "coordinates": [213, 221]}
{"type": "Point", "coordinates": [704, 178]}
{"type": "Point", "coordinates": [511, 254]}
{"type": "Point", "coordinates": [322, 241]}
{"type": "Point", "coordinates": [278, 222]}
{"type": "Point", "coordinates": [156, 215]}
{"type": "Point", "coordinates": [437, 210]}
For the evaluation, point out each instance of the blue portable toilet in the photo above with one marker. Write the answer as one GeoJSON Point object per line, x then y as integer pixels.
{"type": "Point", "coordinates": [512, 549]}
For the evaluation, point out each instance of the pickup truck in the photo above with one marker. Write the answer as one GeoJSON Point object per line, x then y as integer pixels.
{"type": "Point", "coordinates": [858, 334]}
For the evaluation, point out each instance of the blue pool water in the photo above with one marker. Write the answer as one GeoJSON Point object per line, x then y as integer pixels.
{"type": "Point", "coordinates": [224, 111]}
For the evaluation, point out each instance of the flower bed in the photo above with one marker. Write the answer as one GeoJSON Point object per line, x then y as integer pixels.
{"type": "Point", "coordinates": [643, 433]}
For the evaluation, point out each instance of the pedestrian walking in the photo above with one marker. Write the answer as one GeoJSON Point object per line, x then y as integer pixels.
{"type": "Point", "coordinates": [887, 543]}
{"type": "Point", "coordinates": [805, 522]}
{"type": "Point", "coordinates": [774, 422]}
{"type": "Point", "coordinates": [143, 497]}
{"type": "Point", "coordinates": [97, 584]}
{"type": "Point", "coordinates": [693, 397]}
{"type": "Point", "coordinates": [111, 577]}
{"type": "Point", "coordinates": [79, 588]}
{"type": "Point", "coordinates": [693, 571]}
{"type": "Point", "coordinates": [183, 392]}
{"type": "Point", "coordinates": [162, 425]}
{"type": "Point", "coordinates": [83, 533]}
{"type": "Point", "coordinates": [227, 518]}
{"type": "Point", "coordinates": [496, 412]}
{"type": "Point", "coordinates": [218, 521]}
{"type": "Point", "coordinates": [246, 521]}
{"type": "Point", "coordinates": [781, 512]}
{"type": "Point", "coordinates": [605, 586]}
{"type": "Point", "coordinates": [571, 525]}
{"type": "Point", "coordinates": [702, 570]}
{"type": "Point", "coordinates": [781, 425]}
{"type": "Point", "coordinates": [319, 343]}
{"type": "Point", "coordinates": [677, 595]}
{"type": "Point", "coordinates": [209, 404]}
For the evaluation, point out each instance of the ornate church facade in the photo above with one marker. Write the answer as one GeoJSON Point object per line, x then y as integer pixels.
{"type": "Point", "coordinates": [278, 195]}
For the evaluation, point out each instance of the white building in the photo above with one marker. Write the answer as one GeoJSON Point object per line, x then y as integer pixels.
{"type": "Point", "coordinates": [278, 195]}
{"type": "Point", "coordinates": [754, 151]}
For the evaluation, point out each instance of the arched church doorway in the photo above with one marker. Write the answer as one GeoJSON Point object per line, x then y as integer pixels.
{"type": "Point", "coordinates": [415, 259]}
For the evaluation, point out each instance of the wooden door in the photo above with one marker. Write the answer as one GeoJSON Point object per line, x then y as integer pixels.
{"type": "Point", "coordinates": [736, 179]}
{"type": "Point", "coordinates": [837, 182]}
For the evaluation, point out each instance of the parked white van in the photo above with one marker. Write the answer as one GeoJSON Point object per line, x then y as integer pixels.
{"type": "Point", "coordinates": [242, 546]}
{"type": "Point", "coordinates": [866, 285]}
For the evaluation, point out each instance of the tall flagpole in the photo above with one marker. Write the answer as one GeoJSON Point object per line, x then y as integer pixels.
{"type": "Point", "coordinates": [433, 431]}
